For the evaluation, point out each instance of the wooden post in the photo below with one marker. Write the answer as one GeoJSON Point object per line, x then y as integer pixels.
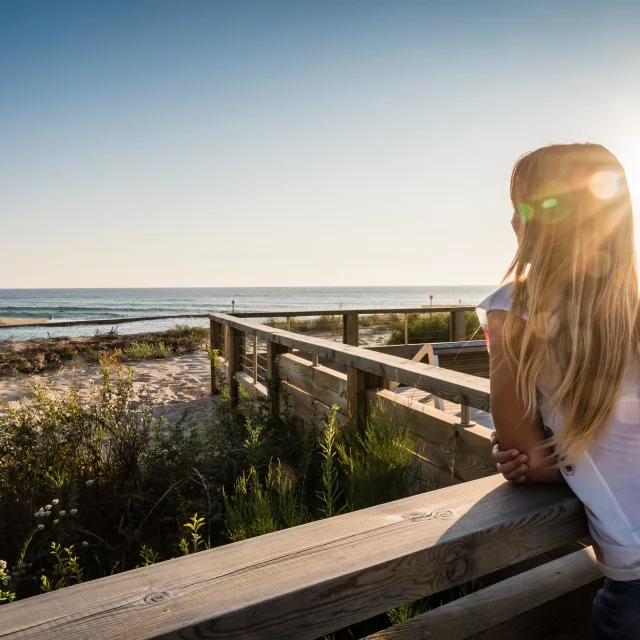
{"type": "Point", "coordinates": [255, 359]}
{"type": "Point", "coordinates": [458, 326]}
{"type": "Point", "coordinates": [314, 359]}
{"type": "Point", "coordinates": [357, 384]}
{"type": "Point", "coordinates": [406, 328]}
{"type": "Point", "coordinates": [234, 361]}
{"type": "Point", "coordinates": [273, 351]}
{"type": "Point", "coordinates": [465, 416]}
{"type": "Point", "coordinates": [214, 343]}
{"type": "Point", "coordinates": [350, 329]}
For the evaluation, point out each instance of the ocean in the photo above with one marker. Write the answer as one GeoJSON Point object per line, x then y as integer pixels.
{"type": "Point", "coordinates": [85, 304]}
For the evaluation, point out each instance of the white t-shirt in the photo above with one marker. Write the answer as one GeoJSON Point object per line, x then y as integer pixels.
{"type": "Point", "coordinates": [607, 477]}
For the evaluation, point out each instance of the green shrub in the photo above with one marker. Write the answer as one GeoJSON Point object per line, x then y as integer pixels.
{"type": "Point", "coordinates": [260, 506]}
{"type": "Point", "coordinates": [100, 476]}
{"type": "Point", "coordinates": [146, 350]}
{"type": "Point", "coordinates": [434, 327]}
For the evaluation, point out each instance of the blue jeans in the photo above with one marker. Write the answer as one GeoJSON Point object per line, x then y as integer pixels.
{"type": "Point", "coordinates": [616, 611]}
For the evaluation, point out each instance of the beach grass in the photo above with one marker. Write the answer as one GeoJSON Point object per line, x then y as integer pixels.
{"type": "Point", "coordinates": [42, 356]}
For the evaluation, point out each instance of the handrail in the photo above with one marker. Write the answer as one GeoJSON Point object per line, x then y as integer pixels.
{"type": "Point", "coordinates": [349, 312]}
{"type": "Point", "coordinates": [317, 578]}
{"type": "Point", "coordinates": [245, 314]}
{"type": "Point", "coordinates": [450, 385]}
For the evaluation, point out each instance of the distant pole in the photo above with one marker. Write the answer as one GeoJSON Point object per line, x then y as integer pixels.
{"type": "Point", "coordinates": [431, 300]}
{"type": "Point", "coordinates": [233, 306]}
{"type": "Point", "coordinates": [460, 301]}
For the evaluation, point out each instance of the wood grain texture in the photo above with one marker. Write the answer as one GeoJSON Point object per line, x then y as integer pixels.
{"type": "Point", "coordinates": [350, 329]}
{"type": "Point", "coordinates": [250, 386]}
{"type": "Point", "coordinates": [361, 312]}
{"type": "Point", "coordinates": [569, 617]}
{"type": "Point", "coordinates": [450, 385]}
{"type": "Point", "coordinates": [311, 580]}
{"type": "Point", "coordinates": [324, 384]}
{"type": "Point", "coordinates": [464, 453]}
{"type": "Point", "coordinates": [482, 614]}
{"type": "Point", "coordinates": [233, 344]}
{"type": "Point", "coordinates": [424, 353]}
{"type": "Point", "coordinates": [305, 407]}
{"type": "Point", "coordinates": [215, 341]}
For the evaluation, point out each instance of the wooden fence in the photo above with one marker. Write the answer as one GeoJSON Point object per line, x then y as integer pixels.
{"type": "Point", "coordinates": [349, 319]}
{"type": "Point", "coordinates": [313, 580]}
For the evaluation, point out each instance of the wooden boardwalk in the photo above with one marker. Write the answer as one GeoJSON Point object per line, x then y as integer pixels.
{"type": "Point", "coordinates": [480, 417]}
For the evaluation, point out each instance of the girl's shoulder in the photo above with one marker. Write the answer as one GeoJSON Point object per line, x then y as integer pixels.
{"type": "Point", "coordinates": [500, 299]}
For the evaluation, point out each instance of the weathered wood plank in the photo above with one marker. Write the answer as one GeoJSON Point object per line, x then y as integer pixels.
{"type": "Point", "coordinates": [306, 408]}
{"type": "Point", "coordinates": [350, 329]}
{"type": "Point", "coordinates": [250, 386]}
{"type": "Point", "coordinates": [481, 614]}
{"type": "Point", "coordinates": [311, 580]}
{"type": "Point", "coordinates": [338, 312]}
{"type": "Point", "coordinates": [568, 617]}
{"type": "Point", "coordinates": [464, 453]}
{"type": "Point", "coordinates": [450, 385]}
{"type": "Point", "coordinates": [327, 385]}
{"type": "Point", "coordinates": [234, 361]}
{"type": "Point", "coordinates": [458, 326]}
{"type": "Point", "coordinates": [215, 340]}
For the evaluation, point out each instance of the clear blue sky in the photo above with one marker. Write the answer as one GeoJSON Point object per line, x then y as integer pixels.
{"type": "Point", "coordinates": [151, 143]}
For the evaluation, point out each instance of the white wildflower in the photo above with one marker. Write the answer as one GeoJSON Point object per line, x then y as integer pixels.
{"type": "Point", "coordinates": [48, 507]}
{"type": "Point", "coordinates": [63, 512]}
{"type": "Point", "coordinates": [40, 527]}
{"type": "Point", "coordinates": [55, 502]}
{"type": "Point", "coordinates": [56, 521]}
{"type": "Point", "coordinates": [47, 513]}
{"type": "Point", "coordinates": [165, 451]}
{"type": "Point", "coordinates": [36, 514]}
{"type": "Point", "coordinates": [89, 482]}
{"type": "Point", "coordinates": [85, 543]}
{"type": "Point", "coordinates": [3, 565]}
{"type": "Point", "coordinates": [73, 512]}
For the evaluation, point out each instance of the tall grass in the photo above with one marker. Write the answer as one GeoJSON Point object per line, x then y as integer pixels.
{"type": "Point", "coordinates": [40, 356]}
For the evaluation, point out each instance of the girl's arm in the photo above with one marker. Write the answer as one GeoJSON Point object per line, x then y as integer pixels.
{"type": "Point", "coordinates": [514, 427]}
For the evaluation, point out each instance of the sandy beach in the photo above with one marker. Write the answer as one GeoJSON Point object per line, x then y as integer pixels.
{"type": "Point", "coordinates": [177, 385]}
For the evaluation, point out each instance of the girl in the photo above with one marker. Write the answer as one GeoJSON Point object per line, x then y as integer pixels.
{"type": "Point", "coordinates": [564, 345]}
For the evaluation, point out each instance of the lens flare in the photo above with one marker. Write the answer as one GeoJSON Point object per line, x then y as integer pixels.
{"type": "Point", "coordinates": [549, 203]}
{"type": "Point", "coordinates": [525, 210]}
{"type": "Point", "coordinates": [604, 184]}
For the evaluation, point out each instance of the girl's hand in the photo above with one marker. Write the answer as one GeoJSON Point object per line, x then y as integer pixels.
{"type": "Point", "coordinates": [511, 464]}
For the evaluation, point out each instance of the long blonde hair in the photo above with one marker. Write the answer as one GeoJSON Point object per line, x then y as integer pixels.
{"type": "Point", "coordinates": [575, 279]}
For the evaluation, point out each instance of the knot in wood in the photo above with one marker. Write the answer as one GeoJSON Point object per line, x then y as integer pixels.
{"type": "Point", "coordinates": [155, 598]}
{"type": "Point", "coordinates": [416, 515]}
{"type": "Point", "coordinates": [444, 514]}
{"type": "Point", "coordinates": [456, 569]}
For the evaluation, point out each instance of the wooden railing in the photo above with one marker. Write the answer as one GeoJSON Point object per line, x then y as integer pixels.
{"type": "Point", "coordinates": [349, 319]}
{"type": "Point", "coordinates": [315, 579]}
